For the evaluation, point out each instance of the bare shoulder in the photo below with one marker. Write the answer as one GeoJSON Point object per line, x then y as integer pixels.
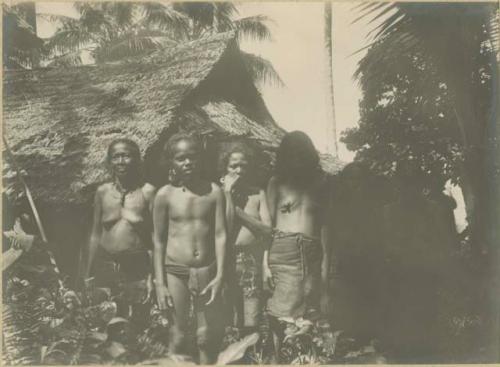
{"type": "Point", "coordinates": [215, 189]}
{"type": "Point", "coordinates": [254, 193]}
{"type": "Point", "coordinates": [103, 189]}
{"type": "Point", "coordinates": [149, 191]}
{"type": "Point", "coordinates": [164, 192]}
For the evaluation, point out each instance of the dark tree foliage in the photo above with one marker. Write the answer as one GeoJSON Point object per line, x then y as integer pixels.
{"type": "Point", "coordinates": [406, 113]}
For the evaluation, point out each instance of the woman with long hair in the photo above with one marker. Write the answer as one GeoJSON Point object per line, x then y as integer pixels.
{"type": "Point", "coordinates": [299, 256]}
{"type": "Point", "coordinates": [122, 229]}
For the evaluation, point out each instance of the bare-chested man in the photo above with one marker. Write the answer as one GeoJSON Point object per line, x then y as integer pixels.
{"type": "Point", "coordinates": [189, 248]}
{"type": "Point", "coordinates": [299, 256]}
{"type": "Point", "coordinates": [245, 248]}
{"type": "Point", "coordinates": [122, 228]}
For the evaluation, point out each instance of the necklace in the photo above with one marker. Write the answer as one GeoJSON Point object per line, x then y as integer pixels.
{"type": "Point", "coordinates": [123, 192]}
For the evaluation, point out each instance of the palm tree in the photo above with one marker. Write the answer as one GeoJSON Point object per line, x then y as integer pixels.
{"type": "Point", "coordinates": [330, 99]}
{"type": "Point", "coordinates": [113, 31]}
{"type": "Point", "coordinates": [21, 46]}
{"type": "Point", "coordinates": [206, 18]}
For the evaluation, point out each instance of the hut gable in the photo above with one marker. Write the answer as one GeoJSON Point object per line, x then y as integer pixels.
{"type": "Point", "coordinates": [59, 122]}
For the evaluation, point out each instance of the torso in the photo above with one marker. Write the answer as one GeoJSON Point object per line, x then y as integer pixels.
{"type": "Point", "coordinates": [125, 227]}
{"type": "Point", "coordinates": [250, 206]}
{"type": "Point", "coordinates": [301, 210]}
{"type": "Point", "coordinates": [191, 216]}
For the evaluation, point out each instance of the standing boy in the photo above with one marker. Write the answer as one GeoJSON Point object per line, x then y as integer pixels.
{"type": "Point", "coordinates": [189, 247]}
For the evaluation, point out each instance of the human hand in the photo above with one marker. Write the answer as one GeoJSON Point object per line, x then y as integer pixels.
{"type": "Point", "coordinates": [267, 276]}
{"type": "Point", "coordinates": [214, 287]}
{"type": "Point", "coordinates": [163, 297]}
{"type": "Point", "coordinates": [229, 181]}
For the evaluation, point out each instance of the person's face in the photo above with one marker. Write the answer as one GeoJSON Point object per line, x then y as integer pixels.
{"type": "Point", "coordinates": [185, 159]}
{"type": "Point", "coordinates": [121, 159]}
{"type": "Point", "coordinates": [238, 165]}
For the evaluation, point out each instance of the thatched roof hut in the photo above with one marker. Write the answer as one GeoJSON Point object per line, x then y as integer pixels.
{"type": "Point", "coordinates": [60, 121]}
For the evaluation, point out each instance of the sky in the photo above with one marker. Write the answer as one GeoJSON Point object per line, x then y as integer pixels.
{"type": "Point", "coordinates": [297, 53]}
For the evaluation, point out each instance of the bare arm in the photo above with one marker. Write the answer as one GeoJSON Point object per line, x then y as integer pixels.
{"type": "Point", "coordinates": [220, 231]}
{"type": "Point", "coordinates": [266, 220]}
{"type": "Point", "coordinates": [96, 233]}
{"type": "Point", "coordinates": [272, 199]}
{"type": "Point", "coordinates": [160, 235]}
{"type": "Point", "coordinates": [149, 193]}
{"type": "Point", "coordinates": [258, 228]}
{"type": "Point", "coordinates": [230, 212]}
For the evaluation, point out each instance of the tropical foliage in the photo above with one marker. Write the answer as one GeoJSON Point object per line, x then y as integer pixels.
{"type": "Point", "coordinates": [114, 31]}
{"type": "Point", "coordinates": [429, 80]}
{"type": "Point", "coordinates": [46, 323]}
{"type": "Point", "coordinates": [21, 46]}
{"type": "Point", "coordinates": [406, 114]}
{"type": "Point", "coordinates": [461, 42]}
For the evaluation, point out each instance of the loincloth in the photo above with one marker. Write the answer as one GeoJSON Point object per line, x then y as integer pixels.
{"type": "Point", "coordinates": [295, 263]}
{"type": "Point", "coordinates": [195, 279]}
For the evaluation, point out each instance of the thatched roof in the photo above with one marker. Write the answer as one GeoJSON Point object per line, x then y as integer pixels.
{"type": "Point", "coordinates": [59, 122]}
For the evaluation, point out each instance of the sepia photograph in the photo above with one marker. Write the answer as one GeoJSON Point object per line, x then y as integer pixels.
{"type": "Point", "coordinates": [250, 183]}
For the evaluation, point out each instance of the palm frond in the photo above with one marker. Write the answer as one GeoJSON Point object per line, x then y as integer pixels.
{"type": "Point", "coordinates": [200, 13]}
{"type": "Point", "coordinates": [56, 18]}
{"type": "Point", "coordinates": [493, 26]}
{"type": "Point", "coordinates": [261, 70]}
{"type": "Point", "coordinates": [128, 45]}
{"type": "Point", "coordinates": [93, 19]}
{"type": "Point", "coordinates": [226, 9]}
{"type": "Point", "coordinates": [367, 9]}
{"type": "Point", "coordinates": [21, 46]}
{"type": "Point", "coordinates": [165, 17]}
{"type": "Point", "coordinates": [254, 28]}
{"type": "Point", "coordinates": [13, 12]}
{"type": "Point", "coordinates": [121, 12]}
{"type": "Point", "coordinates": [69, 38]}
{"type": "Point", "coordinates": [66, 60]}
{"type": "Point", "coordinates": [383, 55]}
{"type": "Point", "coordinates": [224, 13]}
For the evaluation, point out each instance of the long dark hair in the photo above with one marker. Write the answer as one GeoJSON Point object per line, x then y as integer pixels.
{"type": "Point", "coordinates": [297, 160]}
